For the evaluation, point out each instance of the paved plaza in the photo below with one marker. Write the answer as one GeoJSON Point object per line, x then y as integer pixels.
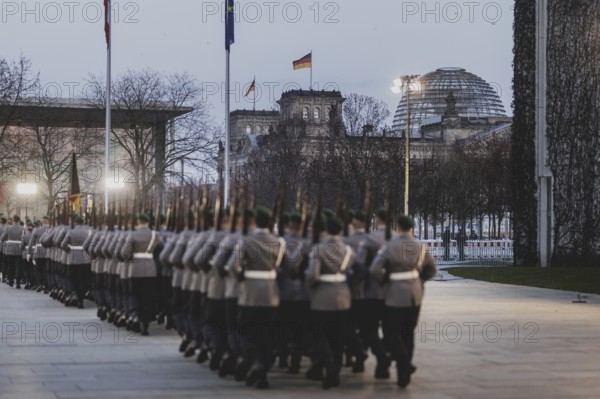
{"type": "Point", "coordinates": [476, 340]}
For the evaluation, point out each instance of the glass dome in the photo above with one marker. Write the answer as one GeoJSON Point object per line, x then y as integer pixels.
{"type": "Point", "coordinates": [475, 98]}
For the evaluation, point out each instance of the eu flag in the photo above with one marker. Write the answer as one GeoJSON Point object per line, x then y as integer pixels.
{"type": "Point", "coordinates": [229, 23]}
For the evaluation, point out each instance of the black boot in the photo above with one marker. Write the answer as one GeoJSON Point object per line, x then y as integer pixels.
{"type": "Point", "coordinates": [382, 370]}
{"type": "Point", "coordinates": [359, 363]}
{"type": "Point", "coordinates": [314, 373]}
{"type": "Point", "coordinates": [295, 364]}
{"type": "Point", "coordinates": [331, 380]}
{"type": "Point", "coordinates": [403, 377]}
{"type": "Point", "coordinates": [241, 371]}
{"type": "Point", "coordinates": [215, 361]}
{"type": "Point", "coordinates": [184, 344]}
{"type": "Point", "coordinates": [227, 366]}
{"type": "Point", "coordinates": [254, 375]}
{"type": "Point", "coordinates": [202, 356]}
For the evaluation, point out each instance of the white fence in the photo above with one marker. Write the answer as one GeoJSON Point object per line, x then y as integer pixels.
{"type": "Point", "coordinates": [492, 250]}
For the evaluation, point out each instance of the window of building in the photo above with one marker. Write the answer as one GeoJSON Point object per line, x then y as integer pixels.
{"type": "Point", "coordinates": [258, 129]}
{"type": "Point", "coordinates": [305, 113]}
{"type": "Point", "coordinates": [317, 113]}
{"type": "Point", "coordinates": [248, 129]}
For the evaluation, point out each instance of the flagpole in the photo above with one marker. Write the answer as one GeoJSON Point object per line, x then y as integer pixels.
{"type": "Point", "coordinates": [254, 102]}
{"type": "Point", "coordinates": [311, 70]}
{"type": "Point", "coordinates": [108, 111]}
{"type": "Point", "coordinates": [227, 183]}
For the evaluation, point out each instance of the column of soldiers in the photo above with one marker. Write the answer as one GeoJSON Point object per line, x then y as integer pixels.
{"type": "Point", "coordinates": [246, 287]}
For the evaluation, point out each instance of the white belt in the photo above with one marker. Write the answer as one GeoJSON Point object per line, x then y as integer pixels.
{"type": "Point", "coordinates": [143, 256]}
{"type": "Point", "coordinates": [333, 278]}
{"type": "Point", "coordinates": [261, 275]}
{"type": "Point", "coordinates": [404, 275]}
{"type": "Point", "coordinates": [38, 245]}
{"type": "Point", "coordinates": [13, 242]}
{"type": "Point", "coordinates": [76, 247]}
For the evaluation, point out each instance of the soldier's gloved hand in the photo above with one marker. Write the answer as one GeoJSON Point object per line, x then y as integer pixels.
{"type": "Point", "coordinates": [28, 258]}
{"type": "Point", "coordinates": [33, 261]}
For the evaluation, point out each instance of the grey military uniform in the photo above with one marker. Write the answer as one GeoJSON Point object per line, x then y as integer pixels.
{"type": "Point", "coordinates": [12, 240]}
{"type": "Point", "coordinates": [366, 253]}
{"type": "Point", "coordinates": [406, 264]}
{"type": "Point", "coordinates": [2, 229]}
{"type": "Point", "coordinates": [35, 242]}
{"type": "Point", "coordinates": [176, 274]}
{"type": "Point", "coordinates": [215, 283]}
{"type": "Point", "coordinates": [356, 240]}
{"type": "Point", "coordinates": [257, 257]}
{"type": "Point", "coordinates": [220, 264]}
{"type": "Point", "coordinates": [176, 259]}
{"type": "Point", "coordinates": [72, 244]}
{"type": "Point", "coordinates": [329, 265]}
{"type": "Point", "coordinates": [25, 249]}
{"type": "Point", "coordinates": [192, 278]}
{"type": "Point", "coordinates": [141, 247]}
{"type": "Point", "coordinates": [291, 285]}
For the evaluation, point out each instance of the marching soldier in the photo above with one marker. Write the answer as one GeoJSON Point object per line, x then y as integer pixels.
{"type": "Point", "coordinates": [257, 257]}
{"type": "Point", "coordinates": [12, 240]}
{"type": "Point", "coordinates": [185, 276]}
{"type": "Point", "coordinates": [40, 254]}
{"type": "Point", "coordinates": [355, 345]}
{"type": "Point", "coordinates": [406, 264]}
{"type": "Point", "coordinates": [214, 309]}
{"type": "Point", "coordinates": [330, 262]}
{"type": "Point", "coordinates": [26, 258]}
{"type": "Point", "coordinates": [370, 309]}
{"type": "Point", "coordinates": [222, 263]}
{"type": "Point", "coordinates": [78, 262]}
{"type": "Point", "coordinates": [294, 309]}
{"type": "Point", "coordinates": [97, 271]}
{"type": "Point", "coordinates": [142, 248]}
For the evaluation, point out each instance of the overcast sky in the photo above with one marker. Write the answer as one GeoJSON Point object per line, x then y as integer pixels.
{"type": "Point", "coordinates": [358, 46]}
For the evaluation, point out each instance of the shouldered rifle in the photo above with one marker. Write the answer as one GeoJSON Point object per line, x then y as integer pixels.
{"type": "Point", "coordinates": [317, 223]}
{"type": "Point", "coordinates": [368, 205]}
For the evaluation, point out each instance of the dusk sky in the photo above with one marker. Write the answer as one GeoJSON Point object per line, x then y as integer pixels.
{"type": "Point", "coordinates": [358, 46]}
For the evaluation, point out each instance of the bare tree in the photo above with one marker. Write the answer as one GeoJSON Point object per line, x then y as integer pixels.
{"type": "Point", "coordinates": [192, 137]}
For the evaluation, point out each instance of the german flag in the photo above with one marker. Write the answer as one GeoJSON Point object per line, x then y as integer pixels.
{"type": "Point", "coordinates": [304, 62]}
{"type": "Point", "coordinates": [74, 190]}
{"type": "Point", "coordinates": [251, 88]}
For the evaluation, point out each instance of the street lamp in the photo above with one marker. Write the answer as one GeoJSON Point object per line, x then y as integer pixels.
{"type": "Point", "coordinates": [411, 85]}
{"type": "Point", "coordinates": [111, 184]}
{"type": "Point", "coordinates": [26, 189]}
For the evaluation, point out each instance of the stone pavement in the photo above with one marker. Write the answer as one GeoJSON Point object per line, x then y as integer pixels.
{"type": "Point", "coordinates": [476, 340]}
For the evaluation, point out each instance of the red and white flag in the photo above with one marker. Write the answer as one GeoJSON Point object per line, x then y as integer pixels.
{"type": "Point", "coordinates": [107, 22]}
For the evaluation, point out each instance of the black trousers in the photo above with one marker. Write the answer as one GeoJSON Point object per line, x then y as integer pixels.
{"type": "Point", "coordinates": [14, 269]}
{"type": "Point", "coordinates": [370, 315]}
{"type": "Point", "coordinates": [231, 321]}
{"type": "Point", "coordinates": [40, 271]}
{"type": "Point", "coordinates": [163, 295]}
{"type": "Point", "coordinates": [80, 276]}
{"type": "Point", "coordinates": [399, 334]}
{"type": "Point", "coordinates": [257, 329]}
{"type": "Point", "coordinates": [329, 332]}
{"type": "Point", "coordinates": [294, 328]}
{"type": "Point", "coordinates": [215, 324]}
{"type": "Point", "coordinates": [143, 290]}
{"type": "Point", "coordinates": [354, 342]}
